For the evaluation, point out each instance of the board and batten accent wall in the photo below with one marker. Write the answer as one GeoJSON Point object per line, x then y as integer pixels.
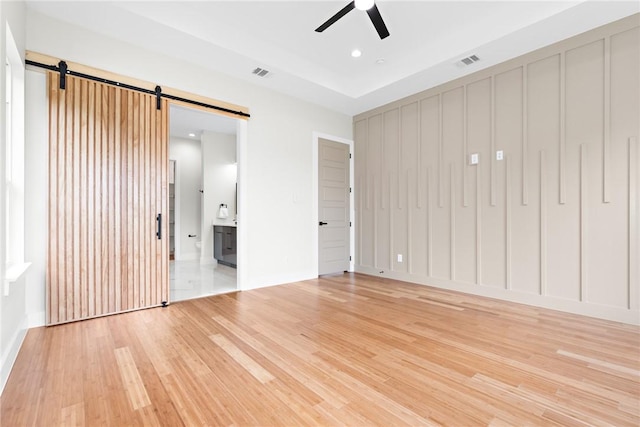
{"type": "Point", "coordinates": [555, 222]}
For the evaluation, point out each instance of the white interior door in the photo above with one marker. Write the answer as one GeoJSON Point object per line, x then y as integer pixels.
{"type": "Point", "coordinates": [333, 207]}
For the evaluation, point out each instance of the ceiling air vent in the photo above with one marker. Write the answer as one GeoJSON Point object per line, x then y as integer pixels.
{"type": "Point", "coordinates": [260, 72]}
{"type": "Point", "coordinates": [468, 60]}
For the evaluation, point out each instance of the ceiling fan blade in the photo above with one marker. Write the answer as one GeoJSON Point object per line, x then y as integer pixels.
{"type": "Point", "coordinates": [337, 16]}
{"type": "Point", "coordinates": [376, 19]}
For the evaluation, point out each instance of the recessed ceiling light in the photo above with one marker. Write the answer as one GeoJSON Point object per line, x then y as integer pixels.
{"type": "Point", "coordinates": [192, 135]}
{"type": "Point", "coordinates": [356, 53]}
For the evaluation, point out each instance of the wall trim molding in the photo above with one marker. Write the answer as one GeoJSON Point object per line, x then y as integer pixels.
{"type": "Point", "coordinates": [11, 352]}
{"type": "Point", "coordinates": [615, 314]}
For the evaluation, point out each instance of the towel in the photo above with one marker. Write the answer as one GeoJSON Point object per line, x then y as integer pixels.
{"type": "Point", "coordinates": [223, 212]}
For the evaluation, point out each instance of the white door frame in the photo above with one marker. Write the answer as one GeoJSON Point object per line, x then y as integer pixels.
{"type": "Point", "coordinates": [242, 205]}
{"type": "Point", "coordinates": [314, 199]}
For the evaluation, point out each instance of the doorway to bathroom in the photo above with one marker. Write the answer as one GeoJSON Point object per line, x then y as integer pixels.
{"type": "Point", "coordinates": [203, 150]}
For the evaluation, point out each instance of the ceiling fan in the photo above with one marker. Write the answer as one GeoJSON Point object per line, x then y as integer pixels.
{"type": "Point", "coordinates": [372, 11]}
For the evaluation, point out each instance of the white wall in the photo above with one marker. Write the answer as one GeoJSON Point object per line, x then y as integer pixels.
{"type": "Point", "coordinates": [275, 163]}
{"type": "Point", "coordinates": [13, 317]}
{"type": "Point", "coordinates": [219, 177]}
{"type": "Point", "coordinates": [188, 183]}
{"type": "Point", "coordinates": [36, 184]}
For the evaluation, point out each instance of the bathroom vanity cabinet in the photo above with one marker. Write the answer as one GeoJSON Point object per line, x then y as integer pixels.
{"type": "Point", "coordinates": [224, 245]}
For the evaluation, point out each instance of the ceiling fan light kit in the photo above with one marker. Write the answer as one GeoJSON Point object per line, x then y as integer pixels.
{"type": "Point", "coordinates": [364, 4]}
{"type": "Point", "coordinates": [372, 11]}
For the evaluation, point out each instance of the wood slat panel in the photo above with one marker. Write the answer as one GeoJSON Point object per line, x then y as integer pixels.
{"type": "Point", "coordinates": [108, 170]}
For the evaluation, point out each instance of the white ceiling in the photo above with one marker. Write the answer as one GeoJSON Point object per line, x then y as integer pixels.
{"type": "Point", "coordinates": [427, 39]}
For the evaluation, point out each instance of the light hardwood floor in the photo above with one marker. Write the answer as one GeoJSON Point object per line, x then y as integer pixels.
{"type": "Point", "coordinates": [340, 350]}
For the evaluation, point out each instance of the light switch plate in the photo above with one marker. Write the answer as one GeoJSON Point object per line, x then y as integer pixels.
{"type": "Point", "coordinates": [399, 257]}
{"type": "Point", "coordinates": [473, 160]}
{"type": "Point", "coordinates": [499, 155]}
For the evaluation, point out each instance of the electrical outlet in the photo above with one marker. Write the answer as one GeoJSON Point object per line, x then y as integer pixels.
{"type": "Point", "coordinates": [473, 160]}
{"type": "Point", "coordinates": [399, 257]}
{"type": "Point", "coordinates": [499, 155]}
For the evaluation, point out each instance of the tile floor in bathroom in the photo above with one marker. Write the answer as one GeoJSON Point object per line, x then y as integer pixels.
{"type": "Point", "coordinates": [190, 279]}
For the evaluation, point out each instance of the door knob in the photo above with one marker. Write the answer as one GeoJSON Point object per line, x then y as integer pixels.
{"type": "Point", "coordinates": [322, 223]}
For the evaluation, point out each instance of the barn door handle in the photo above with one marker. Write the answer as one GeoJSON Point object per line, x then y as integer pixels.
{"type": "Point", "coordinates": [159, 226]}
{"type": "Point", "coordinates": [323, 223]}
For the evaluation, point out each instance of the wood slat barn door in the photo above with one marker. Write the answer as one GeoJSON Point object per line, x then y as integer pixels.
{"type": "Point", "coordinates": [108, 157]}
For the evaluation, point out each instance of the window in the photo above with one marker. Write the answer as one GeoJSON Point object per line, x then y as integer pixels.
{"type": "Point", "coordinates": [8, 156]}
{"type": "Point", "coordinates": [13, 166]}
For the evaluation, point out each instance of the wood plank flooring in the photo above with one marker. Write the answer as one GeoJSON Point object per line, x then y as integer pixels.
{"type": "Point", "coordinates": [340, 350]}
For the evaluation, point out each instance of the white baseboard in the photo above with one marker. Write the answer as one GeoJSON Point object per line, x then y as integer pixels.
{"type": "Point", "coordinates": [600, 311]}
{"type": "Point", "coordinates": [11, 353]}
{"type": "Point", "coordinates": [35, 320]}
{"type": "Point", "coordinates": [266, 282]}
{"type": "Point", "coordinates": [208, 261]}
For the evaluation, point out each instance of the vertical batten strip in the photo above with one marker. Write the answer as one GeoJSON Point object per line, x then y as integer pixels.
{"type": "Point", "coordinates": [145, 102]}
{"type": "Point", "coordinates": [370, 177]}
{"type": "Point", "coordinates": [113, 250]}
{"type": "Point", "coordinates": [144, 214]}
{"type": "Point", "coordinates": [399, 165]}
{"type": "Point", "coordinates": [91, 209]}
{"type": "Point", "coordinates": [429, 223]}
{"type": "Point", "coordinates": [360, 183]}
{"type": "Point", "coordinates": [76, 219]}
{"type": "Point", "coordinates": [132, 211]}
{"type": "Point", "coordinates": [584, 297]}
{"type": "Point", "coordinates": [137, 214]}
{"type": "Point", "coordinates": [67, 143]}
{"type": "Point", "coordinates": [151, 215]}
{"type": "Point", "coordinates": [165, 203]}
{"type": "Point", "coordinates": [452, 213]}
{"type": "Point", "coordinates": [150, 218]}
{"type": "Point", "coordinates": [478, 224]}
{"type": "Point", "coordinates": [374, 201]}
{"type": "Point", "coordinates": [156, 266]}
{"type": "Point", "coordinates": [563, 129]}
{"type": "Point", "coordinates": [117, 191]}
{"type": "Point", "coordinates": [52, 255]}
{"type": "Point", "coordinates": [162, 163]}
{"type": "Point", "coordinates": [409, 227]}
{"type": "Point", "coordinates": [543, 223]}
{"type": "Point", "coordinates": [606, 137]}
{"type": "Point", "coordinates": [419, 187]}
{"type": "Point", "coordinates": [440, 153]}
{"type": "Point", "coordinates": [525, 135]}
{"type": "Point", "coordinates": [634, 226]}
{"type": "Point", "coordinates": [104, 201]}
{"type": "Point", "coordinates": [97, 173]}
{"type": "Point", "coordinates": [419, 177]}
{"type": "Point", "coordinates": [84, 112]}
{"type": "Point", "coordinates": [61, 212]}
{"type": "Point", "coordinates": [124, 195]}
{"type": "Point", "coordinates": [492, 155]}
{"type": "Point", "coordinates": [383, 167]}
{"type": "Point", "coordinates": [391, 239]}
{"type": "Point", "coordinates": [465, 147]}
{"type": "Point", "coordinates": [153, 258]}
{"type": "Point", "coordinates": [508, 222]}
